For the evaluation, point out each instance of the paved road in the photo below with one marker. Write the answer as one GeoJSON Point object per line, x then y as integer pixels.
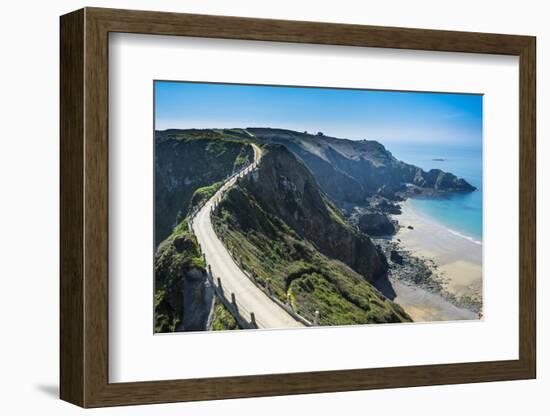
{"type": "Point", "coordinates": [249, 297]}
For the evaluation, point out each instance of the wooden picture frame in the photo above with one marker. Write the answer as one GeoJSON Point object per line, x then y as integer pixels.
{"type": "Point", "coordinates": [84, 207]}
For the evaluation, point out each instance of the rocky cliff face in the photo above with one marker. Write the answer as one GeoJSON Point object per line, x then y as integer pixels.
{"type": "Point", "coordinates": [186, 160]}
{"type": "Point", "coordinates": [287, 234]}
{"type": "Point", "coordinates": [286, 187]}
{"type": "Point", "coordinates": [351, 171]}
{"type": "Point", "coordinates": [375, 224]}
{"type": "Point", "coordinates": [182, 299]}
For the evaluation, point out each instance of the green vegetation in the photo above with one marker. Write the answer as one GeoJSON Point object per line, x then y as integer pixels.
{"type": "Point", "coordinates": [285, 187]}
{"type": "Point", "coordinates": [175, 257]}
{"type": "Point", "coordinates": [235, 135]}
{"type": "Point", "coordinates": [243, 158]}
{"type": "Point", "coordinates": [222, 319]}
{"type": "Point", "coordinates": [190, 166]}
{"type": "Point", "coordinates": [216, 148]}
{"type": "Point", "coordinates": [337, 216]}
{"type": "Point", "coordinates": [187, 160]}
{"type": "Point", "coordinates": [204, 194]}
{"type": "Point", "coordinates": [271, 251]}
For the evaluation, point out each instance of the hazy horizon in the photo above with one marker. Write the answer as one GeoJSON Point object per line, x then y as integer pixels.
{"type": "Point", "coordinates": [390, 117]}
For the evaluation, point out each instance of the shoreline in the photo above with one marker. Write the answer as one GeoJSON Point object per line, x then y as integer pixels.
{"type": "Point", "coordinates": [425, 306]}
{"type": "Point", "coordinates": [439, 277]}
{"type": "Point", "coordinates": [458, 257]}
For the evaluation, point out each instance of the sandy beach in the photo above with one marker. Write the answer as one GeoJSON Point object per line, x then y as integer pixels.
{"type": "Point", "coordinates": [423, 306]}
{"type": "Point", "coordinates": [458, 257]}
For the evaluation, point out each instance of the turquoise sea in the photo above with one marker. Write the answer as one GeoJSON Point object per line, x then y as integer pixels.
{"type": "Point", "coordinates": [461, 213]}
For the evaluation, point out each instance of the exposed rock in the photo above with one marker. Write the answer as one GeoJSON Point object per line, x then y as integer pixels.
{"type": "Point", "coordinates": [410, 227]}
{"type": "Point", "coordinates": [196, 274]}
{"type": "Point", "coordinates": [186, 160]}
{"type": "Point", "coordinates": [396, 257]}
{"type": "Point", "coordinates": [197, 301]}
{"type": "Point", "coordinates": [388, 207]}
{"type": "Point", "coordinates": [389, 192]}
{"type": "Point", "coordinates": [441, 181]}
{"type": "Point", "coordinates": [353, 170]}
{"type": "Point", "coordinates": [293, 240]}
{"type": "Point", "coordinates": [183, 296]}
{"type": "Point", "coordinates": [376, 224]}
{"type": "Point", "coordinates": [182, 243]}
{"type": "Point", "coordinates": [384, 260]}
{"type": "Point", "coordinates": [287, 188]}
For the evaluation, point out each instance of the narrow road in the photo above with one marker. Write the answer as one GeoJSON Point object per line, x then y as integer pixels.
{"type": "Point", "coordinates": [249, 297]}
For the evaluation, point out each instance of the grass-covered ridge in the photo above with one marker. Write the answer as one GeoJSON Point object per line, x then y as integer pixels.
{"type": "Point", "coordinates": [187, 160]}
{"type": "Point", "coordinates": [227, 135]}
{"type": "Point", "coordinates": [175, 258]}
{"type": "Point", "coordinates": [293, 268]}
{"type": "Point", "coordinates": [284, 186]}
{"type": "Point", "coordinates": [190, 166]}
{"type": "Point", "coordinates": [203, 194]}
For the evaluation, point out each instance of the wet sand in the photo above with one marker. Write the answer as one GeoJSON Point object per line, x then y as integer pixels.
{"type": "Point", "coordinates": [458, 259]}
{"type": "Point", "coordinates": [423, 306]}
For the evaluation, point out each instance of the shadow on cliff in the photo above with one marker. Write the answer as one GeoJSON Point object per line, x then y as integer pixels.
{"type": "Point", "coordinates": [384, 285]}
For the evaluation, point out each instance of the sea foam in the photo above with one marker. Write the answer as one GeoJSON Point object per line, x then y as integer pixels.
{"type": "Point", "coordinates": [467, 237]}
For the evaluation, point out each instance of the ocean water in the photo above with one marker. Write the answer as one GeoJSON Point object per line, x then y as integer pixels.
{"type": "Point", "coordinates": [461, 213]}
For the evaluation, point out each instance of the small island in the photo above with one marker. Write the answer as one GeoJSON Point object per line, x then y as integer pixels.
{"type": "Point", "coordinates": [439, 159]}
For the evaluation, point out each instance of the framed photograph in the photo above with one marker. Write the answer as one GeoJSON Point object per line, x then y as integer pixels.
{"type": "Point", "coordinates": [257, 207]}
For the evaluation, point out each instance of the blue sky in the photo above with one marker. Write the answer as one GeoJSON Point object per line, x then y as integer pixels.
{"type": "Point", "coordinates": [390, 117]}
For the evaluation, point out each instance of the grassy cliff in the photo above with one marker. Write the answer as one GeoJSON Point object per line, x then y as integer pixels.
{"type": "Point", "coordinates": [203, 194]}
{"type": "Point", "coordinates": [182, 301]}
{"type": "Point", "coordinates": [177, 260]}
{"type": "Point", "coordinates": [190, 166]}
{"type": "Point", "coordinates": [186, 161]}
{"type": "Point", "coordinates": [293, 240]}
{"type": "Point", "coordinates": [277, 221]}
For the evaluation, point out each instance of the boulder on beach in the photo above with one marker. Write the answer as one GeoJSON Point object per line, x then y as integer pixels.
{"type": "Point", "coordinates": [376, 224]}
{"type": "Point", "coordinates": [389, 207]}
{"type": "Point", "coordinates": [396, 257]}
